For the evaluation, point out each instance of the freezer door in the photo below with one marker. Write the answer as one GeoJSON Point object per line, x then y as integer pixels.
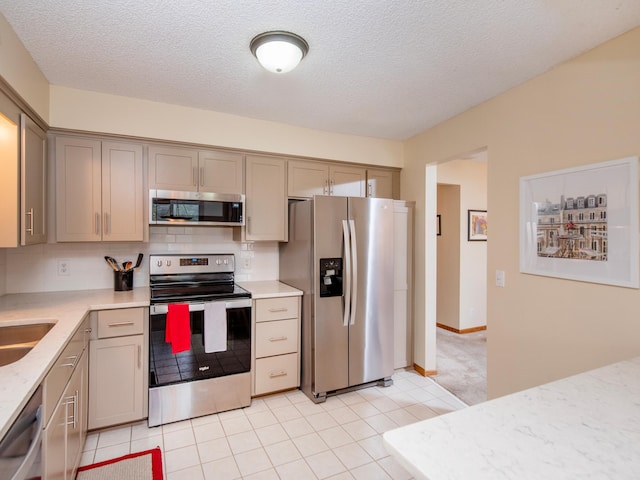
{"type": "Point", "coordinates": [331, 336]}
{"type": "Point", "coordinates": [371, 329]}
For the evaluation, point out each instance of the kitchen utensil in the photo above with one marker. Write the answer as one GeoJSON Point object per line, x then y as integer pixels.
{"type": "Point", "coordinates": [112, 263]}
{"type": "Point", "coordinates": [139, 260]}
{"type": "Point", "coordinates": [126, 266]}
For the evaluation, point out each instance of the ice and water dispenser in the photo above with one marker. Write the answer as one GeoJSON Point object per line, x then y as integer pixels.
{"type": "Point", "coordinates": [331, 277]}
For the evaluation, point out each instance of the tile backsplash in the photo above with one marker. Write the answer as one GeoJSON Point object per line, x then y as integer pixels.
{"type": "Point", "coordinates": [81, 266]}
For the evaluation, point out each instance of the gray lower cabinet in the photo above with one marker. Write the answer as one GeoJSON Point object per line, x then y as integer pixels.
{"type": "Point", "coordinates": [117, 367]}
{"type": "Point", "coordinates": [65, 410]}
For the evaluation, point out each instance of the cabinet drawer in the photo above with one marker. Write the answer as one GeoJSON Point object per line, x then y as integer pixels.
{"type": "Point", "coordinates": [276, 338]}
{"type": "Point", "coordinates": [276, 373]}
{"type": "Point", "coordinates": [121, 322]}
{"type": "Point", "coordinates": [276, 308]}
{"type": "Point", "coordinates": [60, 373]}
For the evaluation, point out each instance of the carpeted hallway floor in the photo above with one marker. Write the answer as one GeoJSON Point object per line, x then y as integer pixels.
{"type": "Point", "coordinates": [461, 362]}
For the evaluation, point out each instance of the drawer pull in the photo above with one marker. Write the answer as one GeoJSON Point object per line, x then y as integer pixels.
{"type": "Point", "coordinates": [277, 339]}
{"type": "Point", "coordinates": [281, 373]}
{"type": "Point", "coordinates": [276, 310]}
{"type": "Point", "coordinates": [120, 324]}
{"type": "Point", "coordinates": [74, 361]}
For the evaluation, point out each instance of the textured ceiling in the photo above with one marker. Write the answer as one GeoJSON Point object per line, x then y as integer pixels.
{"type": "Point", "coordinates": [379, 68]}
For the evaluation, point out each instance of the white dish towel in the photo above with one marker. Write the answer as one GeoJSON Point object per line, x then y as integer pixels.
{"type": "Point", "coordinates": [215, 327]}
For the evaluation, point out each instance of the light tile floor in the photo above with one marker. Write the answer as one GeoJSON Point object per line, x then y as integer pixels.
{"type": "Point", "coordinates": [286, 436]}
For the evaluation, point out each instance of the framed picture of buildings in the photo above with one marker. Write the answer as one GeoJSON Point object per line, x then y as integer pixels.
{"type": "Point", "coordinates": [582, 223]}
{"type": "Point", "coordinates": [477, 225]}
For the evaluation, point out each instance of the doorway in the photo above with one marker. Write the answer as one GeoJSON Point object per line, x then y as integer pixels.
{"type": "Point", "coordinates": [461, 278]}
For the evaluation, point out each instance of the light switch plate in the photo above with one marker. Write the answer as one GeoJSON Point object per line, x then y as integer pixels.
{"type": "Point", "coordinates": [500, 278]}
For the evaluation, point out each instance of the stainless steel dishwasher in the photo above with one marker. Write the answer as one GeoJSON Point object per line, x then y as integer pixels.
{"type": "Point", "coordinates": [20, 448]}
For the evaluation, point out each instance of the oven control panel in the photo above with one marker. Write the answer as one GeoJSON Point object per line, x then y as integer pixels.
{"type": "Point", "coordinates": [200, 263]}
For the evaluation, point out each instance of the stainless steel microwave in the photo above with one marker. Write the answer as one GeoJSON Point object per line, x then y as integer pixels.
{"type": "Point", "coordinates": [168, 207]}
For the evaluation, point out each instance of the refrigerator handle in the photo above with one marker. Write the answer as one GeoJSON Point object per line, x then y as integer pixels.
{"type": "Point", "coordinates": [354, 270]}
{"type": "Point", "coordinates": [347, 273]}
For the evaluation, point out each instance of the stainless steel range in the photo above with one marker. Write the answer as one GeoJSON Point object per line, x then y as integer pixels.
{"type": "Point", "coordinates": [199, 337]}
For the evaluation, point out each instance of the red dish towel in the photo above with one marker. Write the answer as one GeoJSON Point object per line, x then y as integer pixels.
{"type": "Point", "coordinates": [178, 330]}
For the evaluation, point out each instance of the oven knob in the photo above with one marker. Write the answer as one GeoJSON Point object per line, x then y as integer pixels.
{"type": "Point", "coordinates": [226, 262]}
{"type": "Point", "coordinates": [218, 261]}
{"type": "Point", "coordinates": [159, 263]}
{"type": "Point", "coordinates": [168, 263]}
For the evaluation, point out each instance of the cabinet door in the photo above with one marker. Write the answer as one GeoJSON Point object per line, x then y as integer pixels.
{"type": "Point", "coordinates": [266, 201]}
{"type": "Point", "coordinates": [307, 179]}
{"type": "Point", "coordinates": [220, 172]}
{"type": "Point", "coordinates": [33, 177]}
{"type": "Point", "coordinates": [122, 192]}
{"type": "Point", "coordinates": [347, 181]}
{"type": "Point", "coordinates": [75, 396]}
{"type": "Point", "coordinates": [78, 190]}
{"type": "Point", "coordinates": [173, 168]}
{"type": "Point", "coordinates": [54, 446]}
{"type": "Point", "coordinates": [115, 381]}
{"type": "Point", "coordinates": [379, 183]}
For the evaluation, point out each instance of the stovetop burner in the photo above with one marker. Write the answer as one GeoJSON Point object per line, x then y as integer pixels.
{"type": "Point", "coordinates": [178, 277]}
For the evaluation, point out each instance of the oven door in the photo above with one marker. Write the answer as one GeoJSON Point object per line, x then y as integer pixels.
{"type": "Point", "coordinates": [166, 368]}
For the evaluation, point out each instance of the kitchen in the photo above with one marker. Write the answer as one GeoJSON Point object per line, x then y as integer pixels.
{"type": "Point", "coordinates": [525, 368]}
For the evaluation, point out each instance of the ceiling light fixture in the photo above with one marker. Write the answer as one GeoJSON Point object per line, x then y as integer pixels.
{"type": "Point", "coordinates": [278, 51]}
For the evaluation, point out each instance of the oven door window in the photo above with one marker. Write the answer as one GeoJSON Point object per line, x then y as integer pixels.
{"type": "Point", "coordinates": [194, 364]}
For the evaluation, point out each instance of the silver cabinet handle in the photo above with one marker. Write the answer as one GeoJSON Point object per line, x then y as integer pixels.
{"type": "Point", "coordinates": [74, 361]}
{"type": "Point", "coordinates": [281, 373]}
{"type": "Point", "coordinates": [331, 185]}
{"type": "Point", "coordinates": [30, 229]}
{"type": "Point", "coordinates": [280, 309]}
{"type": "Point", "coordinates": [249, 225]}
{"type": "Point", "coordinates": [202, 176]}
{"type": "Point", "coordinates": [97, 223]}
{"type": "Point", "coordinates": [107, 223]}
{"type": "Point", "coordinates": [195, 176]}
{"type": "Point", "coordinates": [370, 188]}
{"type": "Point", "coordinates": [277, 339]}
{"type": "Point", "coordinates": [73, 418]}
{"type": "Point", "coordinates": [120, 324]}
{"type": "Point", "coordinates": [139, 357]}
{"type": "Point", "coordinates": [325, 189]}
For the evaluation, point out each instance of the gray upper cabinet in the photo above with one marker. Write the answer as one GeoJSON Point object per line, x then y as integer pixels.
{"type": "Point", "coordinates": [33, 188]}
{"type": "Point", "coordinates": [99, 190]}
{"type": "Point", "coordinates": [307, 179]}
{"type": "Point", "coordinates": [266, 200]}
{"type": "Point", "coordinates": [23, 149]}
{"type": "Point", "coordinates": [190, 170]}
{"type": "Point", "coordinates": [379, 183]}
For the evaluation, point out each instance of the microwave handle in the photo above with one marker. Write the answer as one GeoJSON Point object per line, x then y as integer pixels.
{"type": "Point", "coordinates": [163, 308]}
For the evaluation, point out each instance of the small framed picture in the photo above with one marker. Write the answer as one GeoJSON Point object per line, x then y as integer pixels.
{"type": "Point", "coordinates": [438, 225]}
{"type": "Point", "coordinates": [477, 225]}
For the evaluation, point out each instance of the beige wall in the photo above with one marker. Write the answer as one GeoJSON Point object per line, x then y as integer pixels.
{"type": "Point", "coordinates": [471, 176]}
{"type": "Point", "coordinates": [83, 110]}
{"type": "Point", "coordinates": [21, 72]}
{"type": "Point", "coordinates": [582, 112]}
{"type": "Point", "coordinates": [448, 259]}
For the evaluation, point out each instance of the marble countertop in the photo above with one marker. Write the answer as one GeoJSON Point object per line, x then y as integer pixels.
{"type": "Point", "coordinates": [582, 427]}
{"type": "Point", "coordinates": [269, 289]}
{"type": "Point", "coordinates": [20, 379]}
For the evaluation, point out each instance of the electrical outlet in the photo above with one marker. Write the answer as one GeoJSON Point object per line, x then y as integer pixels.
{"type": "Point", "coordinates": [500, 278]}
{"type": "Point", "coordinates": [246, 263]}
{"type": "Point", "coordinates": [64, 268]}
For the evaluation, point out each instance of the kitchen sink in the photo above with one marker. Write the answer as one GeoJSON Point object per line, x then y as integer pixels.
{"type": "Point", "coordinates": [17, 340]}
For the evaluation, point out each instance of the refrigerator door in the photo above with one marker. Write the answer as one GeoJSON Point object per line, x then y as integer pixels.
{"type": "Point", "coordinates": [371, 324]}
{"type": "Point", "coordinates": [330, 335]}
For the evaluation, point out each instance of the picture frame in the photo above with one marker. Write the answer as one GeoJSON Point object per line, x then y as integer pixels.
{"type": "Point", "coordinates": [438, 225]}
{"type": "Point", "coordinates": [477, 225]}
{"type": "Point", "coordinates": [582, 223]}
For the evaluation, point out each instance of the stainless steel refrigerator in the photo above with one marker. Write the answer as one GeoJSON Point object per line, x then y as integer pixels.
{"type": "Point", "coordinates": [340, 254]}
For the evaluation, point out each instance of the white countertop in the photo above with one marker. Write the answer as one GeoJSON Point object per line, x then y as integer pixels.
{"type": "Point", "coordinates": [20, 379]}
{"type": "Point", "coordinates": [583, 427]}
{"type": "Point", "coordinates": [270, 289]}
